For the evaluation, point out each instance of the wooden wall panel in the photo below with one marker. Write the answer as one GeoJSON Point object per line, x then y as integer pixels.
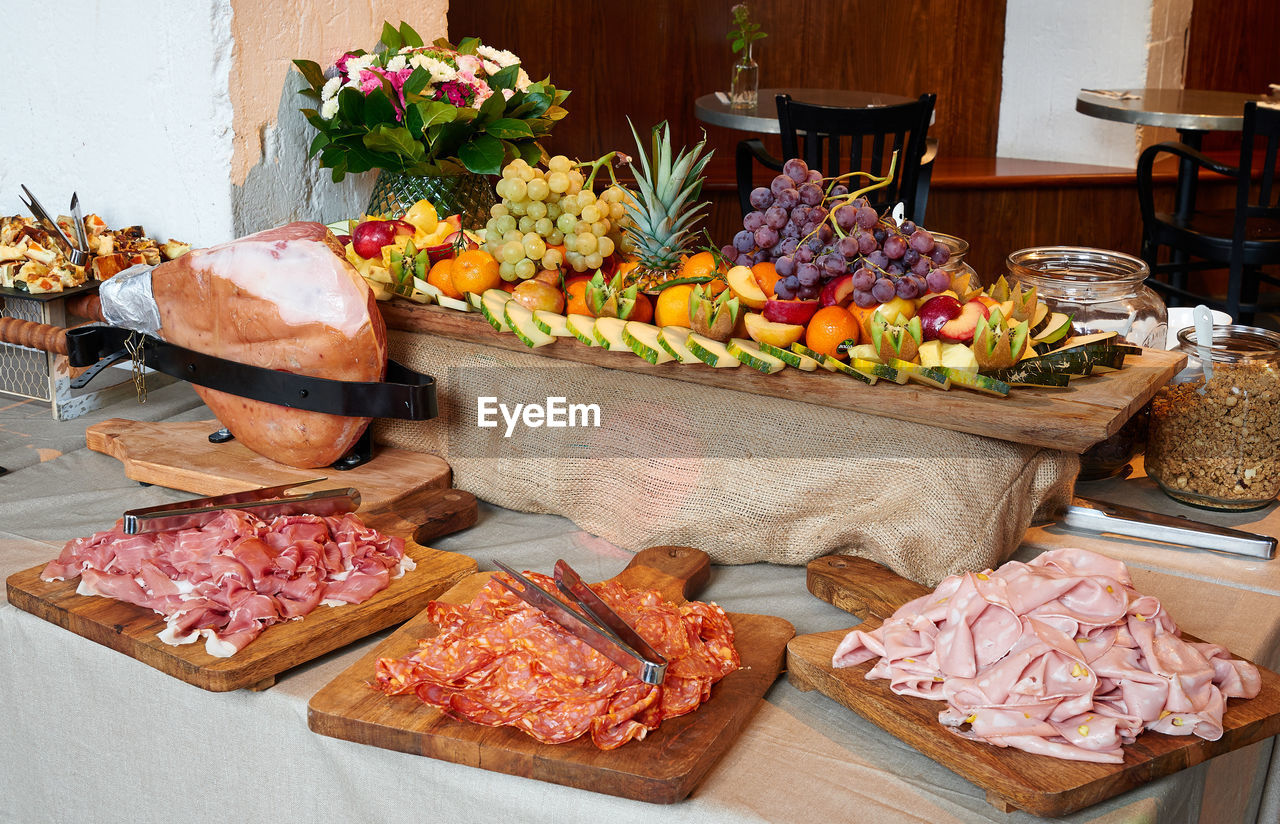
{"type": "Point", "coordinates": [651, 58]}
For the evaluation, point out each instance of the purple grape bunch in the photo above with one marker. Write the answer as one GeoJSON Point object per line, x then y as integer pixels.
{"type": "Point", "coordinates": [789, 226]}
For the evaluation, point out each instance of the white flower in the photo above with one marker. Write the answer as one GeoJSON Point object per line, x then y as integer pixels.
{"type": "Point", "coordinates": [330, 89]}
{"type": "Point", "coordinates": [490, 68]}
{"type": "Point", "coordinates": [507, 94]}
{"type": "Point", "coordinates": [329, 109]}
{"type": "Point", "coordinates": [396, 63]}
{"type": "Point", "coordinates": [502, 58]}
{"type": "Point", "coordinates": [522, 81]}
{"type": "Point", "coordinates": [355, 64]}
{"type": "Point", "coordinates": [441, 72]}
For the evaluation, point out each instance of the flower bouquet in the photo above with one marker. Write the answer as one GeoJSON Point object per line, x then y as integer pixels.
{"type": "Point", "coordinates": [427, 110]}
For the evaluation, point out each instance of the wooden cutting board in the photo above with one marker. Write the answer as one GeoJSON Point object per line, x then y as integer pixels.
{"type": "Point", "coordinates": [130, 629]}
{"type": "Point", "coordinates": [1012, 779]}
{"type": "Point", "coordinates": [663, 768]}
{"type": "Point", "coordinates": [1074, 418]}
{"type": "Point", "coordinates": [179, 455]}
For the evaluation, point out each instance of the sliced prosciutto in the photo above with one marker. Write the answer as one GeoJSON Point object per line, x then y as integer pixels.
{"type": "Point", "coordinates": [235, 576]}
{"type": "Point", "coordinates": [1060, 656]}
{"type": "Point", "coordinates": [500, 662]}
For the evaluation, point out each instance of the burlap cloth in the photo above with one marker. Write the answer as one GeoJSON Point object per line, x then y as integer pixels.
{"type": "Point", "coordinates": [744, 477]}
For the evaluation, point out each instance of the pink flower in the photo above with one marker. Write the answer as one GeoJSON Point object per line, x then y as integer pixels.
{"type": "Point", "coordinates": [469, 64]}
{"type": "Point", "coordinates": [370, 80]}
{"type": "Point", "coordinates": [341, 65]}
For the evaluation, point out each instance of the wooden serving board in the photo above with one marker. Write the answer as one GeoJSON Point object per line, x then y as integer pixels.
{"type": "Point", "coordinates": [179, 455]}
{"type": "Point", "coordinates": [663, 768]}
{"type": "Point", "coordinates": [132, 629]}
{"type": "Point", "coordinates": [1073, 419]}
{"type": "Point", "coordinates": [1013, 779]}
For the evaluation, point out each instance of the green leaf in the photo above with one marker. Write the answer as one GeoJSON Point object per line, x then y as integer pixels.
{"type": "Point", "coordinates": [391, 38]}
{"type": "Point", "coordinates": [312, 72]}
{"type": "Point", "coordinates": [468, 45]}
{"type": "Point", "coordinates": [417, 82]}
{"type": "Point", "coordinates": [443, 42]}
{"type": "Point", "coordinates": [539, 101]}
{"type": "Point", "coordinates": [411, 38]}
{"type": "Point", "coordinates": [447, 137]}
{"type": "Point", "coordinates": [351, 105]}
{"type": "Point", "coordinates": [738, 44]}
{"type": "Point", "coordinates": [505, 78]}
{"type": "Point", "coordinates": [556, 113]}
{"type": "Point", "coordinates": [491, 109]}
{"type": "Point", "coordinates": [378, 109]}
{"type": "Point", "coordinates": [317, 143]}
{"type": "Point", "coordinates": [507, 128]}
{"type": "Point", "coordinates": [465, 115]}
{"type": "Point", "coordinates": [396, 140]}
{"type": "Point", "coordinates": [560, 96]}
{"type": "Point", "coordinates": [433, 112]}
{"type": "Point", "coordinates": [531, 152]}
{"type": "Point", "coordinates": [482, 154]}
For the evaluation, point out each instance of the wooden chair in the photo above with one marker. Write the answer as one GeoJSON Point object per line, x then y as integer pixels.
{"type": "Point", "coordinates": [837, 140]}
{"type": "Point", "coordinates": [1241, 240]}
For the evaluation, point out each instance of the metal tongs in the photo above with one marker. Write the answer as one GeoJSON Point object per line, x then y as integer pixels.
{"type": "Point", "coordinates": [1105, 518]}
{"type": "Point", "coordinates": [264, 503]}
{"type": "Point", "coordinates": [77, 253]}
{"type": "Point", "coordinates": [602, 629]}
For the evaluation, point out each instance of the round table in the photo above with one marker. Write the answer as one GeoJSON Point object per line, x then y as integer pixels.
{"type": "Point", "coordinates": [1187, 110]}
{"type": "Point", "coordinates": [763, 118]}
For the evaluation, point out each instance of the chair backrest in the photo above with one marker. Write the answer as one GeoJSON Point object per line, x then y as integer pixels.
{"type": "Point", "coordinates": [836, 140]}
{"type": "Point", "coordinates": [1261, 127]}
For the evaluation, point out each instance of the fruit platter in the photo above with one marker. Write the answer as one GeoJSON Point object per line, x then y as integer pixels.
{"type": "Point", "coordinates": [819, 296]}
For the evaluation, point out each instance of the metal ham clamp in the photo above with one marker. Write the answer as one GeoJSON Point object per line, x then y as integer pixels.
{"type": "Point", "coordinates": [279, 334]}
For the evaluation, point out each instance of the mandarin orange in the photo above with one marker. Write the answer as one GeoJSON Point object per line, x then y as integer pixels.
{"type": "Point", "coordinates": [828, 328]}
{"type": "Point", "coordinates": [475, 271]}
{"type": "Point", "coordinates": [441, 277]}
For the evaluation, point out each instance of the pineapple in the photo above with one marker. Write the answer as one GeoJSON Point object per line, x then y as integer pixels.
{"type": "Point", "coordinates": [664, 207]}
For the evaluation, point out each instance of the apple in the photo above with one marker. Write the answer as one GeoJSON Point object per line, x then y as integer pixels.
{"type": "Point", "coordinates": [797, 312]}
{"type": "Point", "coordinates": [534, 295]}
{"type": "Point", "coordinates": [961, 329]}
{"type": "Point", "coordinates": [370, 236]}
{"type": "Point", "coordinates": [935, 313]}
{"type": "Point", "coordinates": [781, 335]}
{"type": "Point", "coordinates": [838, 291]}
{"type": "Point", "coordinates": [343, 240]}
{"type": "Point", "coordinates": [403, 227]}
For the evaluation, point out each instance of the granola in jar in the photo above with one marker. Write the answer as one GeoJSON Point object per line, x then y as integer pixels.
{"type": "Point", "coordinates": [1215, 442]}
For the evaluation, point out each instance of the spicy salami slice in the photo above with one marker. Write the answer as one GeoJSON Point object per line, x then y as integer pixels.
{"type": "Point", "coordinates": [500, 662]}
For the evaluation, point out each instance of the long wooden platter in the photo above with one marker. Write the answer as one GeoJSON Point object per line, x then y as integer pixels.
{"type": "Point", "coordinates": [662, 768]}
{"type": "Point", "coordinates": [1073, 419]}
{"type": "Point", "coordinates": [132, 629]}
{"type": "Point", "coordinates": [179, 455]}
{"type": "Point", "coordinates": [1011, 778]}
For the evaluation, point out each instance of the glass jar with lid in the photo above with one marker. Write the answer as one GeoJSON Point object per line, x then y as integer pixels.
{"type": "Point", "coordinates": [1102, 291]}
{"type": "Point", "coordinates": [958, 248]}
{"type": "Point", "coordinates": [1214, 438]}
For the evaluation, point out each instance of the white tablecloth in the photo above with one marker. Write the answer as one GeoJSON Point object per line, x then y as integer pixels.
{"type": "Point", "coordinates": [87, 734]}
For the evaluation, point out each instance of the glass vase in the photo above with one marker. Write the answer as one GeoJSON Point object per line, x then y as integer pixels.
{"type": "Point", "coordinates": [745, 82]}
{"type": "Point", "coordinates": [469, 195]}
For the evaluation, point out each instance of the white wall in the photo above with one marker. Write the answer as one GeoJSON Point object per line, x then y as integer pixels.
{"type": "Point", "coordinates": [1052, 49]}
{"type": "Point", "coordinates": [126, 104]}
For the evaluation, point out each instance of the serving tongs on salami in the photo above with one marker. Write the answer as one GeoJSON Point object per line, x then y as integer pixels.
{"type": "Point", "coordinates": [266, 502]}
{"type": "Point", "coordinates": [601, 628]}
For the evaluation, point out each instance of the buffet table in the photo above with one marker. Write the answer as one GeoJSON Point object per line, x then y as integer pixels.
{"type": "Point", "coordinates": [93, 735]}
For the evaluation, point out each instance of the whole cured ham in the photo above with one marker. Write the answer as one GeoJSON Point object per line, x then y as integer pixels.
{"type": "Point", "coordinates": [1060, 656]}
{"type": "Point", "coordinates": [500, 662]}
{"type": "Point", "coordinates": [284, 299]}
{"type": "Point", "coordinates": [235, 576]}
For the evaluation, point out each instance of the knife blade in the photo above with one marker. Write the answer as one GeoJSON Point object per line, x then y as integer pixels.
{"type": "Point", "coordinates": [197, 513]}
{"type": "Point", "coordinates": [1099, 517]}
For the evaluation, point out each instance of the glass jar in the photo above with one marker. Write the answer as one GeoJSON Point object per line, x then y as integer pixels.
{"type": "Point", "coordinates": [745, 82]}
{"type": "Point", "coordinates": [1215, 442]}
{"type": "Point", "coordinates": [955, 264]}
{"type": "Point", "coordinates": [1103, 291]}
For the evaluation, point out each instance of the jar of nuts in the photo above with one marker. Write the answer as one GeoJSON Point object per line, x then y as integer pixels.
{"type": "Point", "coordinates": [1214, 440]}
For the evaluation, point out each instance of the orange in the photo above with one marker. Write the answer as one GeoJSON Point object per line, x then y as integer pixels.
{"type": "Point", "coordinates": [712, 288]}
{"type": "Point", "coordinates": [475, 271]}
{"type": "Point", "coordinates": [643, 310]}
{"type": "Point", "coordinates": [766, 277]}
{"type": "Point", "coordinates": [575, 294]}
{"type": "Point", "coordinates": [828, 328]}
{"type": "Point", "coordinates": [673, 306]}
{"type": "Point", "coordinates": [863, 317]}
{"type": "Point", "coordinates": [441, 277]}
{"type": "Point", "coordinates": [699, 265]}
{"type": "Point", "coordinates": [623, 265]}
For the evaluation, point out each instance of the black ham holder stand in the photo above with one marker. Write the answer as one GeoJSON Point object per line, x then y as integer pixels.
{"type": "Point", "coordinates": [404, 394]}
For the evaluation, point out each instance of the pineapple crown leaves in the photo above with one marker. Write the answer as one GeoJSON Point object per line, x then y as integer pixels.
{"type": "Point", "coordinates": [665, 187]}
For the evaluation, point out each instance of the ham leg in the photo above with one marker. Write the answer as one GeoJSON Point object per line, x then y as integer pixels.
{"type": "Point", "coordinates": [284, 299]}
